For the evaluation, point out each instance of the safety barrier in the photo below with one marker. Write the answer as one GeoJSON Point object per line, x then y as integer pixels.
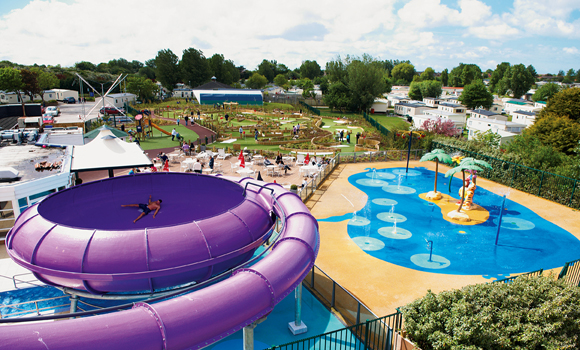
{"type": "Point", "coordinates": [570, 273]}
{"type": "Point", "coordinates": [310, 108]}
{"type": "Point", "coordinates": [381, 333]}
{"type": "Point", "coordinates": [376, 124]}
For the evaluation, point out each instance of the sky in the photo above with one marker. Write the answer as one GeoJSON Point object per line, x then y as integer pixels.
{"type": "Point", "coordinates": [430, 33]}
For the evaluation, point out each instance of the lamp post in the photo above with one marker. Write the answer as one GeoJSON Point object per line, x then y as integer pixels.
{"type": "Point", "coordinates": [409, 150]}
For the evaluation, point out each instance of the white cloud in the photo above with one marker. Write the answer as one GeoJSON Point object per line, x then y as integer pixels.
{"type": "Point", "coordinates": [570, 50]}
{"type": "Point", "coordinates": [494, 30]}
{"type": "Point", "coordinates": [424, 31]}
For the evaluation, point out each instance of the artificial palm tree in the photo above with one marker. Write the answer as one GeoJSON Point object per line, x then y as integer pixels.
{"type": "Point", "coordinates": [473, 161]}
{"type": "Point", "coordinates": [467, 164]}
{"type": "Point", "coordinates": [438, 155]}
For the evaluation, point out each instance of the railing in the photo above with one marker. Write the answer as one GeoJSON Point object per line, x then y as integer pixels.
{"type": "Point", "coordinates": [528, 274]}
{"type": "Point", "coordinates": [310, 108]}
{"type": "Point", "coordinates": [131, 110]}
{"type": "Point", "coordinates": [376, 124]}
{"type": "Point", "coordinates": [381, 333]}
{"type": "Point", "coordinates": [556, 188]}
{"type": "Point", "coordinates": [333, 295]}
{"type": "Point", "coordinates": [379, 156]}
{"type": "Point", "coordinates": [570, 273]}
{"type": "Point", "coordinates": [310, 187]}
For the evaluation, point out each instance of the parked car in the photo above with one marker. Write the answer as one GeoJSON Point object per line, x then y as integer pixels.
{"type": "Point", "coordinates": [112, 110]}
{"type": "Point", "coordinates": [69, 100]}
{"type": "Point", "coordinates": [120, 119]}
{"type": "Point", "coordinates": [52, 111]}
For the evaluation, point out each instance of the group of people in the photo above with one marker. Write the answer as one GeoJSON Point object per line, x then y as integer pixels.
{"type": "Point", "coordinates": [296, 129]}
{"type": "Point", "coordinates": [341, 137]}
{"type": "Point", "coordinates": [278, 162]}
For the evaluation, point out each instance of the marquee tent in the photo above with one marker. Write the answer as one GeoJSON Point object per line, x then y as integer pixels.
{"type": "Point", "coordinates": [108, 152]}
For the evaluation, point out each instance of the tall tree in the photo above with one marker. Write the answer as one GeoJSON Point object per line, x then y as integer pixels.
{"type": "Point", "coordinates": [142, 87]}
{"type": "Point", "coordinates": [497, 76]}
{"type": "Point", "coordinates": [256, 81]}
{"type": "Point", "coordinates": [464, 74]}
{"type": "Point", "coordinates": [415, 91]}
{"type": "Point", "coordinates": [431, 88]}
{"type": "Point", "coordinates": [365, 82]}
{"type": "Point", "coordinates": [545, 92]}
{"type": "Point", "coordinates": [336, 70]}
{"type": "Point", "coordinates": [46, 80]}
{"type": "Point", "coordinates": [403, 72]}
{"type": "Point", "coordinates": [445, 77]}
{"type": "Point", "coordinates": [11, 81]}
{"type": "Point", "coordinates": [194, 67]}
{"type": "Point", "coordinates": [421, 89]}
{"type": "Point", "coordinates": [267, 69]}
{"type": "Point", "coordinates": [519, 80]}
{"type": "Point", "coordinates": [30, 84]}
{"type": "Point", "coordinates": [167, 69]}
{"type": "Point", "coordinates": [338, 96]}
{"type": "Point", "coordinates": [84, 65]}
{"type": "Point", "coordinates": [476, 95]}
{"type": "Point", "coordinates": [310, 70]}
{"type": "Point", "coordinates": [565, 103]}
{"type": "Point", "coordinates": [280, 80]}
{"type": "Point", "coordinates": [532, 71]}
{"type": "Point", "coordinates": [559, 132]}
{"type": "Point", "coordinates": [428, 74]}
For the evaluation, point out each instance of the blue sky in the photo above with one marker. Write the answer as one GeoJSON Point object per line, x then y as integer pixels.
{"type": "Point", "coordinates": [430, 33]}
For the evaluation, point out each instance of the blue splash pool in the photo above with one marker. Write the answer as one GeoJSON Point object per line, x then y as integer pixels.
{"type": "Point", "coordinates": [423, 240]}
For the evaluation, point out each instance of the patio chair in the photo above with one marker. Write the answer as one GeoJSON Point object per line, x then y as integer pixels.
{"type": "Point", "coordinates": [184, 166]}
{"type": "Point", "coordinates": [300, 159]}
{"type": "Point", "coordinates": [222, 154]}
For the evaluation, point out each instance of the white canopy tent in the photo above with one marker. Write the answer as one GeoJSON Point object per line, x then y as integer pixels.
{"type": "Point", "coordinates": [108, 152]}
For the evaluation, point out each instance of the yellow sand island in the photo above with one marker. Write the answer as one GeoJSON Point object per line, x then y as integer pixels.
{"type": "Point", "coordinates": [477, 214]}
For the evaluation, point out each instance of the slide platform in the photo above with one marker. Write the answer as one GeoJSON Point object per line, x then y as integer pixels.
{"type": "Point", "coordinates": [193, 320]}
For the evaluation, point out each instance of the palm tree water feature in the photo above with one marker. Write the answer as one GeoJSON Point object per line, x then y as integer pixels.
{"type": "Point", "coordinates": [468, 185]}
{"type": "Point", "coordinates": [402, 219]}
{"type": "Point", "coordinates": [438, 155]}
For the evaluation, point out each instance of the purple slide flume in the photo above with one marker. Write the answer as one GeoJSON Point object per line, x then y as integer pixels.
{"type": "Point", "coordinates": [81, 238]}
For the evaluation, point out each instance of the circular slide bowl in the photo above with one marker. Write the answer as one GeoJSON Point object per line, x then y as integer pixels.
{"type": "Point", "coordinates": [83, 238]}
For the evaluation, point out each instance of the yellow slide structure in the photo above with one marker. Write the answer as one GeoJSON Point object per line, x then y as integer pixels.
{"type": "Point", "coordinates": [163, 131]}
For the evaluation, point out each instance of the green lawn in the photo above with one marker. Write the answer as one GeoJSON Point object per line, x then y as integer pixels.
{"type": "Point", "coordinates": [391, 123]}
{"type": "Point", "coordinates": [160, 140]}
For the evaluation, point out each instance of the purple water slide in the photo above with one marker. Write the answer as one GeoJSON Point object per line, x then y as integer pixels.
{"type": "Point", "coordinates": [205, 214]}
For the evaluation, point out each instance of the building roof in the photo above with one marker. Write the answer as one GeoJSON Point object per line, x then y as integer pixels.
{"type": "Point", "coordinates": [496, 121]}
{"type": "Point", "coordinates": [450, 105]}
{"type": "Point", "coordinates": [542, 102]}
{"type": "Point", "coordinates": [24, 157]}
{"type": "Point", "coordinates": [106, 152]}
{"type": "Point", "coordinates": [123, 94]}
{"type": "Point", "coordinates": [483, 112]}
{"type": "Point", "coordinates": [531, 114]}
{"type": "Point", "coordinates": [517, 102]}
{"type": "Point", "coordinates": [214, 85]}
{"type": "Point", "coordinates": [440, 112]}
{"type": "Point", "coordinates": [414, 105]}
{"type": "Point", "coordinates": [116, 132]}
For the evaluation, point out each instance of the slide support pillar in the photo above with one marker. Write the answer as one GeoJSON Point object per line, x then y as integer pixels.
{"type": "Point", "coordinates": [248, 334]}
{"type": "Point", "coordinates": [74, 300]}
{"type": "Point", "coordinates": [298, 327]}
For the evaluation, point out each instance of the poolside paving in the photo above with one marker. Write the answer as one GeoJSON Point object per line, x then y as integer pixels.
{"type": "Point", "coordinates": [383, 286]}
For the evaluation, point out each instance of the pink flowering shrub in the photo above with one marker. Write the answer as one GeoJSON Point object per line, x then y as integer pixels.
{"type": "Point", "coordinates": [440, 127]}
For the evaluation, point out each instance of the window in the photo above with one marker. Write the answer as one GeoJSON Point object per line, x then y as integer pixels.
{"type": "Point", "coordinates": [6, 218]}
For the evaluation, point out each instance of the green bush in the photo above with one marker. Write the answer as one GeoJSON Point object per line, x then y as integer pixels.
{"type": "Point", "coordinates": [529, 313]}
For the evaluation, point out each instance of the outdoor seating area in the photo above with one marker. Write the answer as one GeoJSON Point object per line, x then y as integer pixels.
{"type": "Point", "coordinates": [225, 163]}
